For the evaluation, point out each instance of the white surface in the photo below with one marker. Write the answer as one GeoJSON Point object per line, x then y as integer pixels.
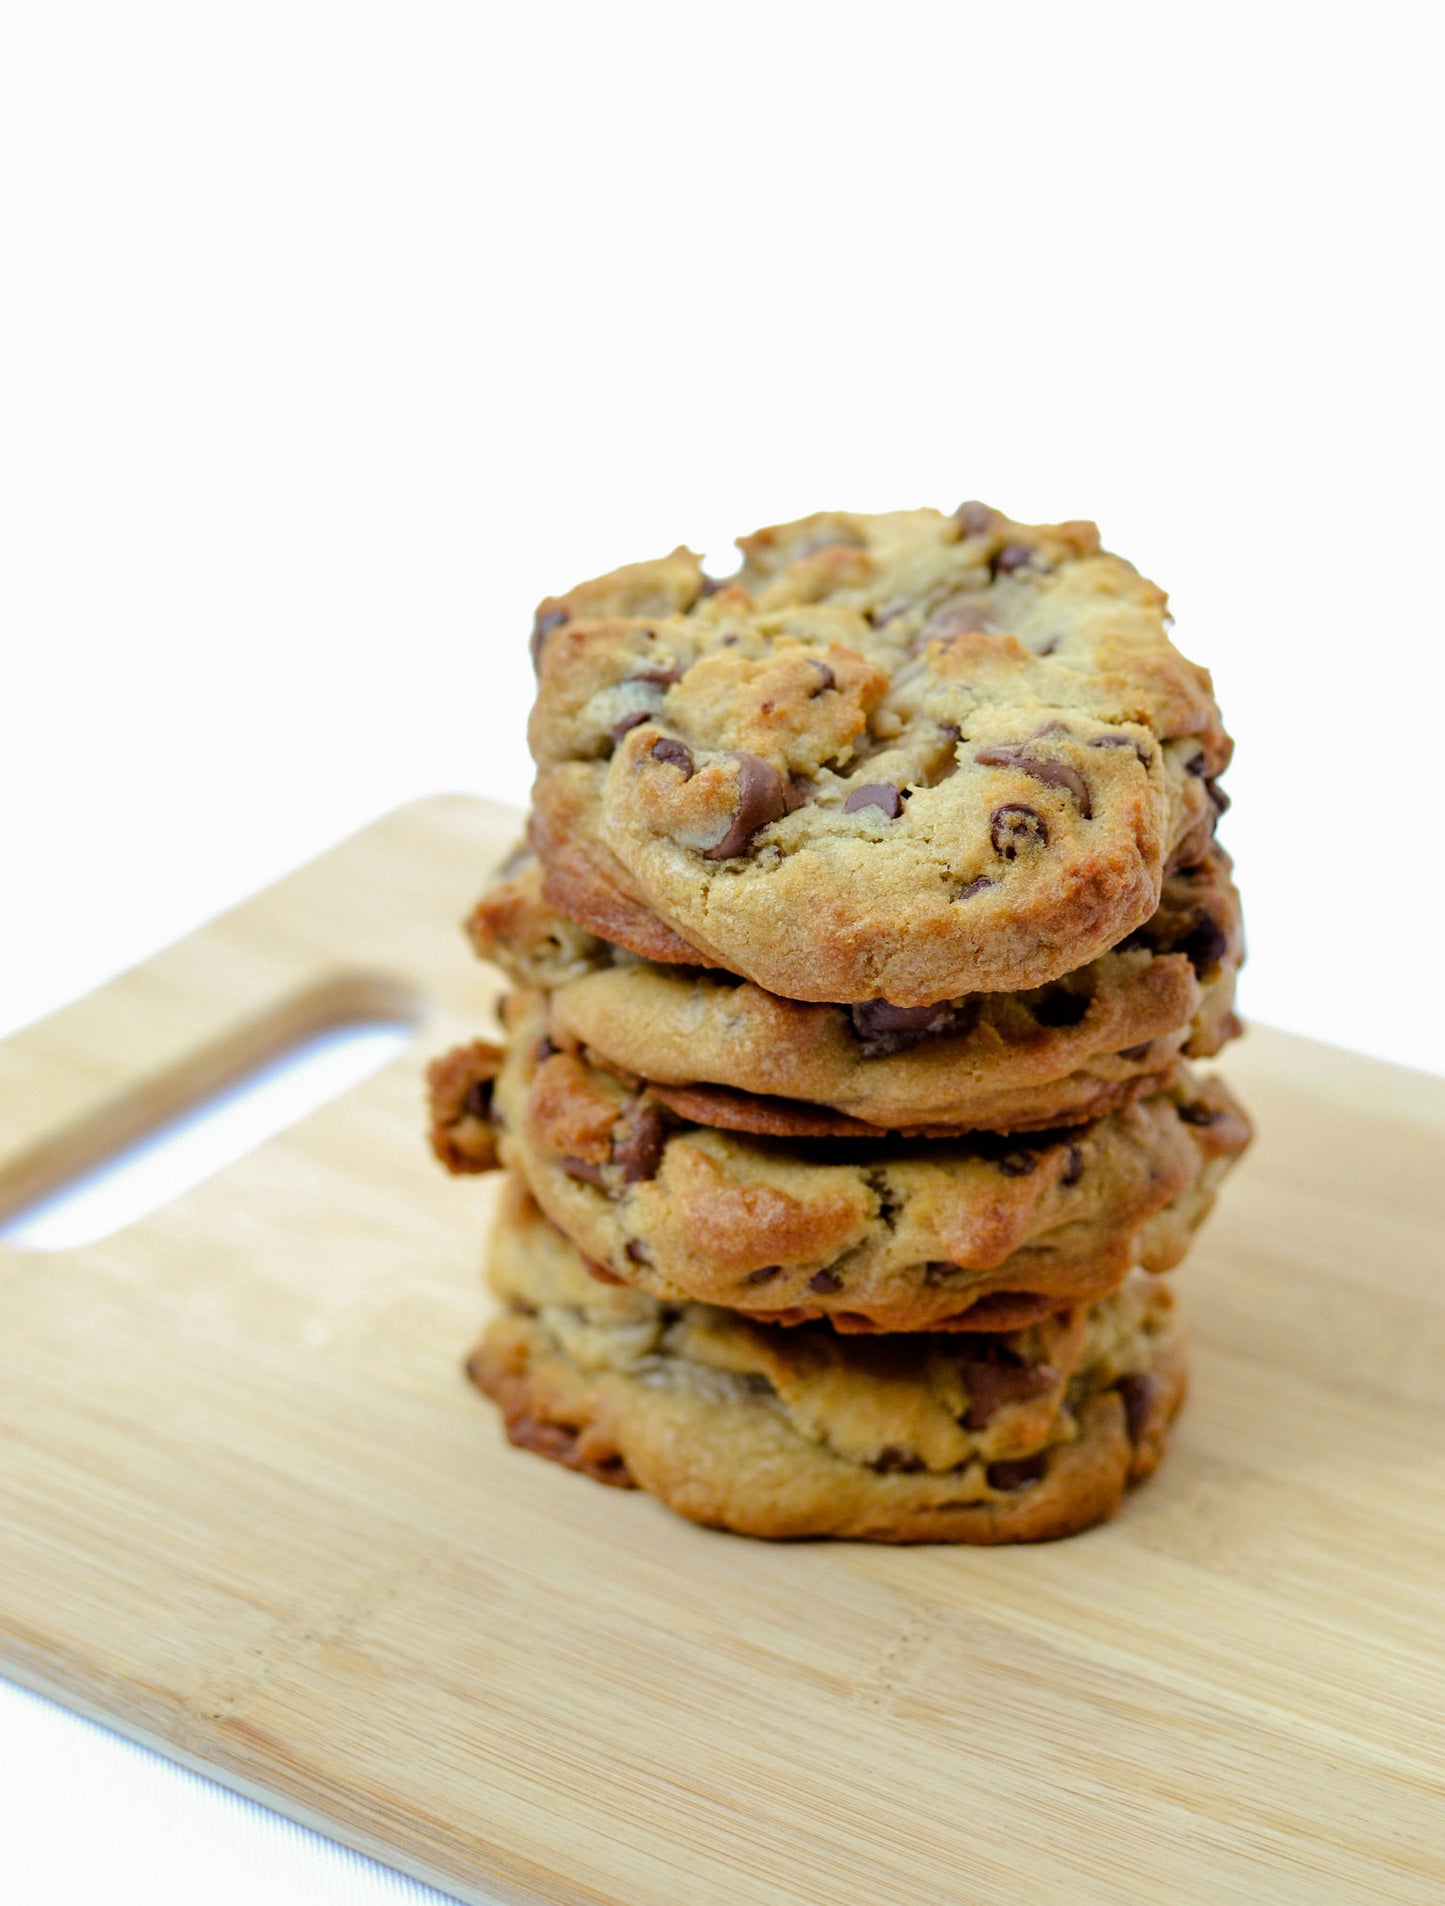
{"type": "Point", "coordinates": [333, 336]}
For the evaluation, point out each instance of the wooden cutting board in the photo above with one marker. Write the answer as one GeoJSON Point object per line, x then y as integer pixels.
{"type": "Point", "coordinates": [251, 1513]}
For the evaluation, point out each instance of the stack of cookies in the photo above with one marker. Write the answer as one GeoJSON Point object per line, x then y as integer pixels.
{"type": "Point", "coordinates": [870, 917]}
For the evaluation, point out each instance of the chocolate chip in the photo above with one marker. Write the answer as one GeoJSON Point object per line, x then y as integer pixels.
{"type": "Point", "coordinates": [875, 794]}
{"type": "Point", "coordinates": [1135, 1053]}
{"type": "Point", "coordinates": [826, 678]}
{"type": "Point", "coordinates": [676, 754]}
{"type": "Point", "coordinates": [1014, 826]}
{"type": "Point", "coordinates": [547, 620]}
{"type": "Point", "coordinates": [1138, 1394]}
{"type": "Point", "coordinates": [586, 1171]}
{"type": "Point", "coordinates": [638, 1149]}
{"type": "Point", "coordinates": [1049, 647]}
{"type": "Point", "coordinates": [950, 731]}
{"type": "Point", "coordinates": [1124, 741]}
{"type": "Point", "coordinates": [762, 799]}
{"type": "Point", "coordinates": [765, 1275]}
{"type": "Point", "coordinates": [882, 1029]}
{"type": "Point", "coordinates": [1199, 1114]}
{"type": "Point", "coordinates": [1013, 556]}
{"type": "Point", "coordinates": [965, 615]}
{"type": "Point", "coordinates": [825, 1283]}
{"type": "Point", "coordinates": [974, 518]}
{"type": "Point", "coordinates": [478, 1101]}
{"type": "Point", "coordinates": [1196, 764]}
{"type": "Point", "coordinates": [1009, 1477]}
{"type": "Point", "coordinates": [1205, 943]}
{"type": "Point", "coordinates": [1054, 774]}
{"type": "Point", "coordinates": [664, 677]}
{"type": "Point", "coordinates": [996, 1376]}
{"type": "Point", "coordinates": [639, 1253]}
{"type": "Point", "coordinates": [891, 1459]}
{"type": "Point", "coordinates": [601, 1272]}
{"type": "Point", "coordinates": [977, 886]}
{"type": "Point", "coordinates": [882, 613]}
{"type": "Point", "coordinates": [1060, 1008]}
{"type": "Point", "coordinates": [628, 722]}
{"type": "Point", "coordinates": [1018, 1163]}
{"type": "Point", "coordinates": [1073, 1167]}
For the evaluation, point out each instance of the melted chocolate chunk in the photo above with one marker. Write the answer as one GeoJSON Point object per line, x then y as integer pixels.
{"type": "Point", "coordinates": [765, 1275]}
{"type": "Point", "coordinates": [974, 886]}
{"type": "Point", "coordinates": [1138, 1394]}
{"type": "Point", "coordinates": [676, 754]}
{"type": "Point", "coordinates": [1013, 556]}
{"type": "Point", "coordinates": [965, 615]}
{"type": "Point", "coordinates": [639, 1253]}
{"type": "Point", "coordinates": [875, 794]}
{"type": "Point", "coordinates": [762, 799]}
{"type": "Point", "coordinates": [546, 621]}
{"type": "Point", "coordinates": [1022, 1473]}
{"type": "Point", "coordinates": [1206, 943]}
{"type": "Point", "coordinates": [628, 722]}
{"type": "Point", "coordinates": [638, 1148]}
{"type": "Point", "coordinates": [601, 1272]}
{"type": "Point", "coordinates": [996, 1376]}
{"type": "Point", "coordinates": [664, 677]}
{"type": "Point", "coordinates": [825, 1283]}
{"type": "Point", "coordinates": [1054, 774]}
{"type": "Point", "coordinates": [1114, 741]}
{"type": "Point", "coordinates": [892, 1460]}
{"type": "Point", "coordinates": [1199, 1114]}
{"type": "Point", "coordinates": [882, 1029]}
{"type": "Point", "coordinates": [1014, 826]}
{"type": "Point", "coordinates": [478, 1101]}
{"type": "Point", "coordinates": [584, 1170]}
{"type": "Point", "coordinates": [974, 518]}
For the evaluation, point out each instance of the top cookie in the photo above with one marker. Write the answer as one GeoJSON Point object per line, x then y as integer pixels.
{"type": "Point", "coordinates": [902, 757]}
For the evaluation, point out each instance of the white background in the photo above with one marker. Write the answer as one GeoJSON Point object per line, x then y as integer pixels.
{"type": "Point", "coordinates": [333, 336]}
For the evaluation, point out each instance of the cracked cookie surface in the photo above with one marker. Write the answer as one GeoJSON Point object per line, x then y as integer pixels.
{"type": "Point", "coordinates": [965, 1234]}
{"type": "Point", "coordinates": [726, 1053]}
{"type": "Point", "coordinates": [1019, 1436]}
{"type": "Point", "coordinates": [908, 756]}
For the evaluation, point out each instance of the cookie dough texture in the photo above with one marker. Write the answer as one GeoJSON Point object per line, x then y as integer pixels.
{"type": "Point", "coordinates": [1012, 1438]}
{"type": "Point", "coordinates": [908, 757]}
{"type": "Point", "coordinates": [726, 1053]}
{"type": "Point", "coordinates": [958, 1234]}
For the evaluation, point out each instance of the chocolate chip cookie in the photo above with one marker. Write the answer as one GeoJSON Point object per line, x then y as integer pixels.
{"type": "Point", "coordinates": [1009, 1437]}
{"type": "Point", "coordinates": [723, 1052]}
{"type": "Point", "coordinates": [905, 757]}
{"type": "Point", "coordinates": [962, 1234]}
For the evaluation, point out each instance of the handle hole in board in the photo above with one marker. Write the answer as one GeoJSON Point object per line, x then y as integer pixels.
{"type": "Point", "coordinates": [147, 1150]}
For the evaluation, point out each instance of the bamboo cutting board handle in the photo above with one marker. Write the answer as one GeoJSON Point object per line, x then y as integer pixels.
{"type": "Point", "coordinates": [312, 952]}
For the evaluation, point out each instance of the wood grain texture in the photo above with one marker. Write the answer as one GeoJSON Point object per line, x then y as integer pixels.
{"type": "Point", "coordinates": [251, 1513]}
